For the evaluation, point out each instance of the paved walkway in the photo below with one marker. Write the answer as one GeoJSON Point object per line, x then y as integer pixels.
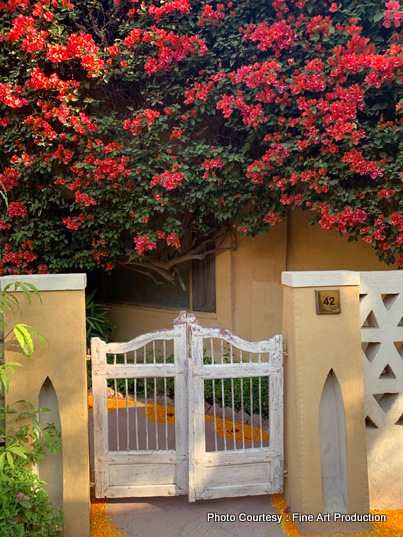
{"type": "Point", "coordinates": [175, 517]}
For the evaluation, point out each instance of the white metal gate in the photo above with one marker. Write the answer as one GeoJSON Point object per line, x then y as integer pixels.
{"type": "Point", "coordinates": [152, 445]}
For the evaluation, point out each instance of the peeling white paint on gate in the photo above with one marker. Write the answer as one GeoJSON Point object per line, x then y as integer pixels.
{"type": "Point", "coordinates": [148, 462]}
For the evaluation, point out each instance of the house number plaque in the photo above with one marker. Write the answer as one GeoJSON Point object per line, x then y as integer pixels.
{"type": "Point", "coordinates": [327, 301]}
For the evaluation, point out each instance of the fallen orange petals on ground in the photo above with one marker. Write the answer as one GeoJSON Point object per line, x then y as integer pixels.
{"type": "Point", "coordinates": [122, 403]}
{"type": "Point", "coordinates": [392, 527]}
{"type": "Point", "coordinates": [229, 432]}
{"type": "Point", "coordinates": [149, 413]}
{"type": "Point", "coordinates": [101, 522]}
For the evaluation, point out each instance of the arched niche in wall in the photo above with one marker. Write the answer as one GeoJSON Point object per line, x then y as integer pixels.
{"type": "Point", "coordinates": [332, 436]}
{"type": "Point", "coordinates": [50, 468]}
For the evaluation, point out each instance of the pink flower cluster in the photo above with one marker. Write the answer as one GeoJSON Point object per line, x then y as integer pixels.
{"type": "Point", "coordinates": [252, 114]}
{"type": "Point", "coordinates": [271, 218]}
{"type": "Point", "coordinates": [9, 179]}
{"type": "Point", "coordinates": [143, 243]}
{"type": "Point", "coordinates": [169, 7]}
{"type": "Point", "coordinates": [135, 125]}
{"type": "Point", "coordinates": [168, 179]}
{"type": "Point", "coordinates": [277, 36]}
{"type": "Point", "coordinates": [9, 98]}
{"type": "Point", "coordinates": [78, 46]}
{"type": "Point", "coordinates": [393, 14]}
{"type": "Point", "coordinates": [16, 208]}
{"type": "Point", "coordinates": [172, 49]}
{"type": "Point", "coordinates": [170, 238]}
{"type": "Point", "coordinates": [360, 165]}
{"type": "Point", "coordinates": [213, 16]}
{"type": "Point", "coordinates": [199, 91]}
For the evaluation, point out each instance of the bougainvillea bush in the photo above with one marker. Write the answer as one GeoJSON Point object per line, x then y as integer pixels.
{"type": "Point", "coordinates": [128, 127]}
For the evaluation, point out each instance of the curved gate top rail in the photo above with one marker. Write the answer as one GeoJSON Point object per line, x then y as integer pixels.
{"type": "Point", "coordinates": [197, 411]}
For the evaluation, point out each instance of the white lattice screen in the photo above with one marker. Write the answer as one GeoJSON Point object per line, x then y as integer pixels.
{"type": "Point", "coordinates": [381, 311]}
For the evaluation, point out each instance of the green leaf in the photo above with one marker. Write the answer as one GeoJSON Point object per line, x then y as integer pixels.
{"type": "Point", "coordinates": [10, 459]}
{"type": "Point", "coordinates": [24, 339]}
{"type": "Point", "coordinates": [378, 17]}
{"type": "Point", "coordinates": [4, 380]}
{"type": "Point", "coordinates": [20, 451]}
{"type": "Point", "coordinates": [2, 460]}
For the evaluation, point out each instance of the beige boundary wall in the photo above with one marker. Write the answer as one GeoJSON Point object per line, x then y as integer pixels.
{"type": "Point", "coordinates": [57, 375]}
{"type": "Point", "coordinates": [325, 437]}
{"type": "Point", "coordinates": [248, 280]}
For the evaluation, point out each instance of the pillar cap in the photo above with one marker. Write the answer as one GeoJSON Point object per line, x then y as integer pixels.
{"type": "Point", "coordinates": [320, 278]}
{"type": "Point", "coordinates": [47, 282]}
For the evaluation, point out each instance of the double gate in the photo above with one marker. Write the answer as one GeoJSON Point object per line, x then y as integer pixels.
{"type": "Point", "coordinates": [197, 411]}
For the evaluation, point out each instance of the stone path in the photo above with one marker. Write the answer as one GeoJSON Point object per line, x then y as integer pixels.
{"type": "Point", "coordinates": [175, 517]}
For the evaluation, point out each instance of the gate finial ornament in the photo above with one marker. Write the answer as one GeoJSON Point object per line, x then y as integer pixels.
{"type": "Point", "coordinates": [186, 317]}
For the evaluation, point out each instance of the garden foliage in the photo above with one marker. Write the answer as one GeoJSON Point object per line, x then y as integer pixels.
{"type": "Point", "coordinates": [127, 125]}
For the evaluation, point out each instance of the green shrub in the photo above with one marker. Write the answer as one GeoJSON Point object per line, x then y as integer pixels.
{"type": "Point", "coordinates": [97, 325]}
{"type": "Point", "coordinates": [25, 510]}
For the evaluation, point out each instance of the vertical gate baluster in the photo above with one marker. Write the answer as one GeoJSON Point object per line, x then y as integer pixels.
{"type": "Point", "coordinates": [155, 401]}
{"type": "Point", "coordinates": [260, 411]}
{"type": "Point", "coordinates": [146, 409]}
{"type": "Point", "coordinates": [145, 396]}
{"type": "Point", "coordinates": [223, 413]}
{"type": "Point", "coordinates": [242, 411]}
{"type": "Point", "coordinates": [214, 403]}
{"type": "Point", "coordinates": [155, 413]}
{"type": "Point", "coordinates": [165, 395]}
{"type": "Point", "coordinates": [117, 414]}
{"type": "Point", "coordinates": [135, 414]}
{"type": "Point", "coordinates": [215, 416]}
{"type": "Point", "coordinates": [166, 413]}
{"type": "Point", "coordinates": [127, 407]}
{"type": "Point", "coordinates": [233, 408]}
{"type": "Point", "coordinates": [251, 410]}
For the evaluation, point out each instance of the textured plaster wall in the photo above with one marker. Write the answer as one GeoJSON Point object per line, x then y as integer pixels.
{"type": "Point", "coordinates": [314, 248]}
{"type": "Point", "coordinates": [61, 319]}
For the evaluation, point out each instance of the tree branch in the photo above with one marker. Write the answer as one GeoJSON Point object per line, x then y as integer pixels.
{"type": "Point", "coordinates": [168, 269]}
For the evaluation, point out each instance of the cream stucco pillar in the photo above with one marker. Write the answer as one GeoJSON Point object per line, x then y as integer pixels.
{"type": "Point", "coordinates": [325, 441]}
{"type": "Point", "coordinates": [56, 377]}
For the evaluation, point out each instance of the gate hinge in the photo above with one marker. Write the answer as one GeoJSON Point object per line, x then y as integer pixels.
{"type": "Point", "coordinates": [285, 472]}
